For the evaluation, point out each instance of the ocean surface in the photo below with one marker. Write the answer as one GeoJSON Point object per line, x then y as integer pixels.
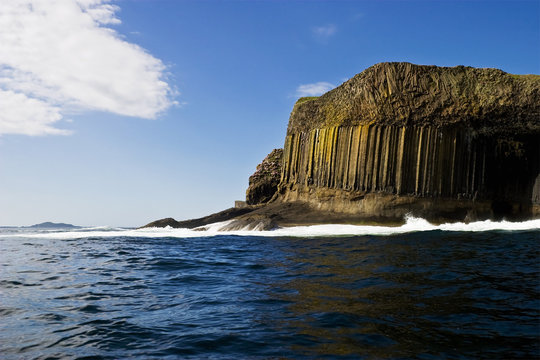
{"type": "Point", "coordinates": [419, 291]}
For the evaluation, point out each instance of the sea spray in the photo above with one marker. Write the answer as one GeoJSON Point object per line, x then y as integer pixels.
{"type": "Point", "coordinates": [412, 225]}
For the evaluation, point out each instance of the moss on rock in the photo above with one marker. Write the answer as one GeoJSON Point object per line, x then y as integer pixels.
{"type": "Point", "coordinates": [305, 98]}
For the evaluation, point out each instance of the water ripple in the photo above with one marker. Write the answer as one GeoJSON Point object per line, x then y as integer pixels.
{"type": "Point", "coordinates": [423, 295]}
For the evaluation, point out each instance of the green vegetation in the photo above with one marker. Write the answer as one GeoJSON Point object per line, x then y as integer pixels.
{"type": "Point", "coordinates": [306, 98]}
{"type": "Point", "coordinates": [530, 77]}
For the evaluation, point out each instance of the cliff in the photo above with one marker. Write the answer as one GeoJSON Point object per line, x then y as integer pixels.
{"type": "Point", "coordinates": [399, 138]}
{"type": "Point", "coordinates": [446, 144]}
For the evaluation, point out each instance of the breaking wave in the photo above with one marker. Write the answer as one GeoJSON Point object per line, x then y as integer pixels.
{"type": "Point", "coordinates": [411, 225]}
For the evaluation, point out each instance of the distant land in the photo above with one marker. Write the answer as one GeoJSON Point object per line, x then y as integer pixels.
{"type": "Point", "coordinates": [445, 144]}
{"type": "Point", "coordinates": [51, 225]}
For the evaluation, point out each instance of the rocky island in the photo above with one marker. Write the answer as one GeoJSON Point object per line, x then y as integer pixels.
{"type": "Point", "coordinates": [53, 225]}
{"type": "Point", "coordinates": [442, 143]}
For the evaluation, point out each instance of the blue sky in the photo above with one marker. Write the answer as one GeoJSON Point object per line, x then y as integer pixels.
{"type": "Point", "coordinates": [122, 112]}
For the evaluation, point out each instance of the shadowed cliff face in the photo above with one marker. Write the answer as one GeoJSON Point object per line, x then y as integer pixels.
{"type": "Point", "coordinates": [411, 161]}
{"type": "Point", "coordinates": [415, 135]}
{"type": "Point", "coordinates": [264, 182]}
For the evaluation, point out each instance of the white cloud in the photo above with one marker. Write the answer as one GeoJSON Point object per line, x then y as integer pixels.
{"type": "Point", "coordinates": [324, 32]}
{"type": "Point", "coordinates": [19, 113]}
{"type": "Point", "coordinates": [315, 89]}
{"type": "Point", "coordinates": [60, 56]}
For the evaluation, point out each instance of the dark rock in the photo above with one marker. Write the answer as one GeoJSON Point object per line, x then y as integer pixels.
{"type": "Point", "coordinates": [264, 182]}
{"type": "Point", "coordinates": [285, 214]}
{"type": "Point", "coordinates": [194, 223]}
{"type": "Point", "coordinates": [161, 223]}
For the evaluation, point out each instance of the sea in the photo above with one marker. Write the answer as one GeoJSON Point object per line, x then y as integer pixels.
{"type": "Point", "coordinates": [417, 291]}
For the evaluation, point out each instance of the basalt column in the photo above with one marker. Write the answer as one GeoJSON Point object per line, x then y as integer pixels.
{"type": "Point", "coordinates": [426, 162]}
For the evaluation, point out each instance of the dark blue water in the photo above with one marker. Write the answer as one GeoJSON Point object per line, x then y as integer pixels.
{"type": "Point", "coordinates": [424, 295]}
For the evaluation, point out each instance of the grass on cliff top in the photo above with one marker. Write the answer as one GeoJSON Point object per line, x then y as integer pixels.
{"type": "Point", "coordinates": [305, 98]}
{"type": "Point", "coordinates": [531, 77]}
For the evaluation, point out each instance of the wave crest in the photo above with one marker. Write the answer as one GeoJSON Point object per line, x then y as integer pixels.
{"type": "Point", "coordinates": [412, 224]}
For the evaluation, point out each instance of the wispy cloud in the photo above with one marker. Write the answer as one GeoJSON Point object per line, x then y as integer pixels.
{"type": "Point", "coordinates": [324, 32]}
{"type": "Point", "coordinates": [357, 16]}
{"type": "Point", "coordinates": [314, 89]}
{"type": "Point", "coordinates": [61, 56]}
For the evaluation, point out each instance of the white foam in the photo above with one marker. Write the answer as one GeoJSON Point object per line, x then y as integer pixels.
{"type": "Point", "coordinates": [411, 225]}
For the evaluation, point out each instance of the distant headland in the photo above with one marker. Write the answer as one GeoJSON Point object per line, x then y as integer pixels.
{"type": "Point", "coordinates": [52, 225]}
{"type": "Point", "coordinates": [442, 143]}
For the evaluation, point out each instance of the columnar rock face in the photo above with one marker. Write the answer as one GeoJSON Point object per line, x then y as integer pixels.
{"type": "Point", "coordinates": [401, 138]}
